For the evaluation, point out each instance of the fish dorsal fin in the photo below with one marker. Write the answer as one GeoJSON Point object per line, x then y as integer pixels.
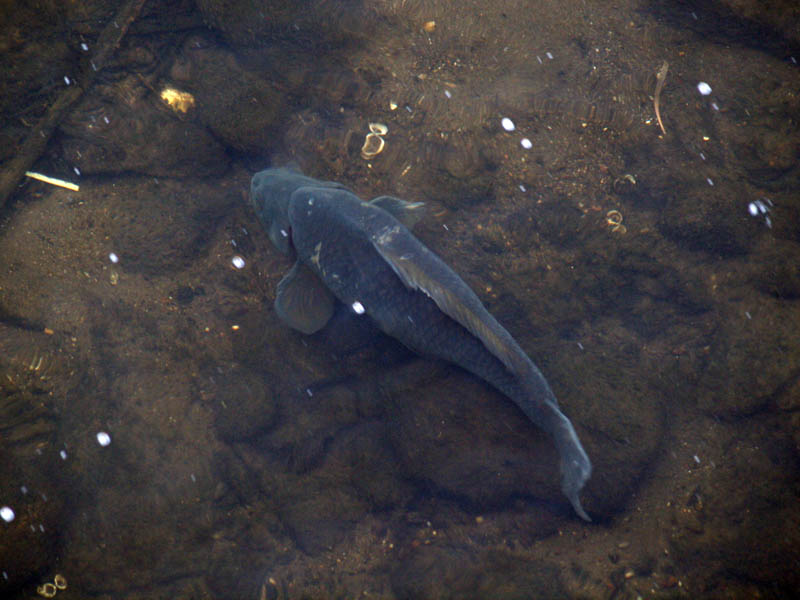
{"type": "Point", "coordinates": [420, 269]}
{"type": "Point", "coordinates": [408, 213]}
{"type": "Point", "coordinates": [303, 302]}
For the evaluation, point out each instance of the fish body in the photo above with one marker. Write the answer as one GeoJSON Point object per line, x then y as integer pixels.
{"type": "Point", "coordinates": [361, 253]}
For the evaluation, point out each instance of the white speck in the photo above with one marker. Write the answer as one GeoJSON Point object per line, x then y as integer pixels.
{"type": "Point", "coordinates": [103, 438]}
{"type": "Point", "coordinates": [106, 120]}
{"type": "Point", "coordinates": [703, 156]}
{"type": "Point", "coordinates": [526, 143]}
{"type": "Point", "coordinates": [193, 478]}
{"type": "Point", "coordinates": [752, 209]}
{"type": "Point", "coordinates": [580, 345]}
{"type": "Point", "coordinates": [94, 66]}
{"type": "Point", "coordinates": [84, 47]}
{"type": "Point", "coordinates": [309, 392]}
{"type": "Point", "coordinates": [696, 459]}
{"type": "Point", "coordinates": [748, 315]}
{"type": "Point", "coordinates": [446, 228]}
{"type": "Point", "coordinates": [761, 207]}
{"type": "Point", "coordinates": [539, 58]}
{"type": "Point", "coordinates": [41, 527]}
{"type": "Point", "coordinates": [358, 307]}
{"type": "Point", "coordinates": [704, 88]}
{"type": "Point", "coordinates": [66, 80]}
{"type": "Point", "coordinates": [522, 188]}
{"type": "Point", "coordinates": [448, 94]}
{"type": "Point", "coordinates": [5, 575]}
{"type": "Point", "coordinates": [113, 258]}
{"type": "Point", "coordinates": [283, 233]}
{"type": "Point", "coordinates": [694, 16]}
{"type": "Point", "coordinates": [238, 262]}
{"type": "Point", "coordinates": [7, 514]}
{"type": "Point", "coordinates": [77, 170]}
{"type": "Point", "coordinates": [23, 489]}
{"type": "Point", "coordinates": [508, 124]}
{"type": "Point", "coordinates": [311, 202]}
{"type": "Point", "coordinates": [549, 55]}
{"type": "Point", "coordinates": [708, 179]}
{"type": "Point", "coordinates": [63, 454]}
{"type": "Point", "coordinates": [714, 106]}
{"type": "Point", "coordinates": [768, 221]}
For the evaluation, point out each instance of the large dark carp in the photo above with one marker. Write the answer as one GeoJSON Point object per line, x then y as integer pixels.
{"type": "Point", "coordinates": [362, 254]}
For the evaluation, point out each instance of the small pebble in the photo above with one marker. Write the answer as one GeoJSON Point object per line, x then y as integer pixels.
{"type": "Point", "coordinates": [704, 88]}
{"type": "Point", "coordinates": [526, 143]}
{"type": "Point", "coordinates": [508, 124]}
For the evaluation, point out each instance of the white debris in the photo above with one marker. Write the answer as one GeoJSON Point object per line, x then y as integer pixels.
{"type": "Point", "coordinates": [84, 47]}
{"type": "Point", "coordinates": [63, 454]}
{"type": "Point", "coordinates": [448, 94]}
{"type": "Point", "coordinates": [113, 258]}
{"type": "Point", "coordinates": [358, 307]}
{"type": "Point", "coordinates": [7, 514]}
{"type": "Point", "coordinates": [549, 55]}
{"type": "Point", "coordinates": [66, 80]}
{"type": "Point", "coordinates": [526, 143]}
{"type": "Point", "coordinates": [753, 209]}
{"type": "Point", "coordinates": [238, 262]}
{"type": "Point", "coordinates": [103, 438]}
{"type": "Point", "coordinates": [704, 88]}
{"type": "Point", "coordinates": [508, 124]}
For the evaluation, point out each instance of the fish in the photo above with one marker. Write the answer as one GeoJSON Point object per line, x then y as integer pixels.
{"type": "Point", "coordinates": [363, 254]}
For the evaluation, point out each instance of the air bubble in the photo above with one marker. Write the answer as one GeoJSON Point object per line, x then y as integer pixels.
{"type": "Point", "coordinates": [7, 514]}
{"type": "Point", "coordinates": [704, 88]}
{"type": "Point", "coordinates": [508, 124]}
{"type": "Point", "coordinates": [358, 308]}
{"type": "Point", "coordinates": [526, 143]}
{"type": "Point", "coordinates": [103, 438]}
{"type": "Point", "coordinates": [238, 262]}
{"type": "Point", "coordinates": [113, 258]}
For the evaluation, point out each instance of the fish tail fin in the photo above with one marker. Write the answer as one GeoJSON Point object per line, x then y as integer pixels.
{"type": "Point", "coordinates": [575, 465]}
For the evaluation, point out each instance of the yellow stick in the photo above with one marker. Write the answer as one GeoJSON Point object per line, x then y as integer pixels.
{"type": "Point", "coordinates": [53, 181]}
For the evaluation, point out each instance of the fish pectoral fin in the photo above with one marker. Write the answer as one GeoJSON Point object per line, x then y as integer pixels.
{"type": "Point", "coordinates": [303, 302]}
{"type": "Point", "coordinates": [408, 213]}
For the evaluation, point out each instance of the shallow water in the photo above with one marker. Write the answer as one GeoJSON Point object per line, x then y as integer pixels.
{"type": "Point", "coordinates": [653, 277]}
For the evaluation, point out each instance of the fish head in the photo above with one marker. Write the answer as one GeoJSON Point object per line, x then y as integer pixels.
{"type": "Point", "coordinates": [270, 194]}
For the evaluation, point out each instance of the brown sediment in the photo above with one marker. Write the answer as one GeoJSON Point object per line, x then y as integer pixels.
{"type": "Point", "coordinates": [660, 77]}
{"type": "Point", "coordinates": [37, 139]}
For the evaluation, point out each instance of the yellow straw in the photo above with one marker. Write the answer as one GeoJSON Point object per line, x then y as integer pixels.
{"type": "Point", "coordinates": [52, 180]}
